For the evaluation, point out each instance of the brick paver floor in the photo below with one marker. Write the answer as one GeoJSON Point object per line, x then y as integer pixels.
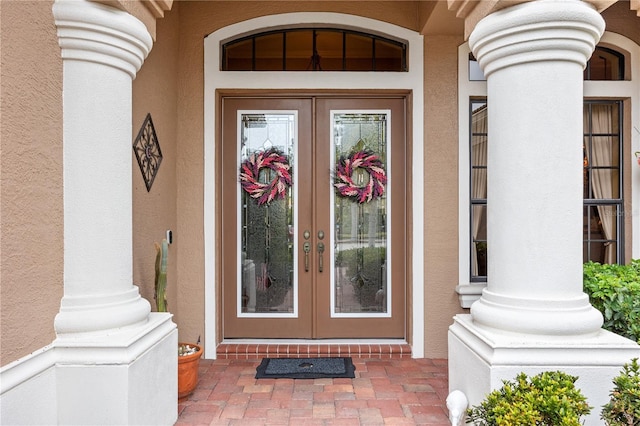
{"type": "Point", "coordinates": [384, 392]}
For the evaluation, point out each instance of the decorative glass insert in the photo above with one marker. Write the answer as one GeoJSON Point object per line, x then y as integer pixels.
{"type": "Point", "coordinates": [361, 259]}
{"type": "Point", "coordinates": [147, 150]}
{"type": "Point", "coordinates": [314, 49]}
{"type": "Point", "coordinates": [267, 242]}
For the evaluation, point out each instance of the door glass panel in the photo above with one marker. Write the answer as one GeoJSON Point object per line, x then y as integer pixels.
{"type": "Point", "coordinates": [267, 241]}
{"type": "Point", "coordinates": [361, 259]}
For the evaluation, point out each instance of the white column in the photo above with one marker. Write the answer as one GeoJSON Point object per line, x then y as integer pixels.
{"type": "Point", "coordinates": [102, 49]}
{"type": "Point", "coordinates": [533, 56]}
{"type": "Point", "coordinates": [116, 363]}
{"type": "Point", "coordinates": [533, 315]}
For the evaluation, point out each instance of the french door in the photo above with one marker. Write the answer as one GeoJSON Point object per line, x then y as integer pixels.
{"type": "Point", "coordinates": [313, 219]}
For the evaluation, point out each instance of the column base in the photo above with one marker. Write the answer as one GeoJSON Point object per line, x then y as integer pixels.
{"type": "Point", "coordinates": [481, 358]}
{"type": "Point", "coordinates": [125, 377]}
{"type": "Point", "coordinates": [96, 313]}
{"type": "Point", "coordinates": [566, 317]}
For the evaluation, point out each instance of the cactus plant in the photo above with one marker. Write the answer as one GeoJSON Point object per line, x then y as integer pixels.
{"type": "Point", "coordinates": [161, 276]}
{"type": "Point", "coordinates": [188, 354]}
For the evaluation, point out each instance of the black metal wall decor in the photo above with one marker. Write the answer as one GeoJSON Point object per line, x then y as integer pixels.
{"type": "Point", "coordinates": [148, 153]}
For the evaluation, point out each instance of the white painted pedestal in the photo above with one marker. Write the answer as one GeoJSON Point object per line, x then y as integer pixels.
{"type": "Point", "coordinates": [129, 377]}
{"type": "Point", "coordinates": [481, 358]}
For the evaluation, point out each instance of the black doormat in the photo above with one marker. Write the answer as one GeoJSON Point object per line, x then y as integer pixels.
{"type": "Point", "coordinates": [305, 368]}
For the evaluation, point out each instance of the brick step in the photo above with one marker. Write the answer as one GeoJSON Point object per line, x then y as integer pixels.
{"type": "Point", "coordinates": [233, 350]}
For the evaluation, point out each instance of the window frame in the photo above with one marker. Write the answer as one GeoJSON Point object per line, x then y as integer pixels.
{"type": "Point", "coordinates": [475, 201]}
{"type": "Point", "coordinates": [617, 203]}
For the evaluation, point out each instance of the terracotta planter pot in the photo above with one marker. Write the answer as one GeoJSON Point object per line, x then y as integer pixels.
{"type": "Point", "coordinates": [188, 372]}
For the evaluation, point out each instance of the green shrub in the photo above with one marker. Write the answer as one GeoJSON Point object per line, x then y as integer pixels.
{"type": "Point", "coordinates": [623, 408]}
{"type": "Point", "coordinates": [615, 291]}
{"type": "Point", "coordinates": [549, 398]}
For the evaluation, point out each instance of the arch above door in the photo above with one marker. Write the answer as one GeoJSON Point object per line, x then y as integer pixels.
{"type": "Point", "coordinates": [216, 80]}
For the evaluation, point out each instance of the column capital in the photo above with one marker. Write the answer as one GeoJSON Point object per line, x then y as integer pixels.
{"type": "Point", "coordinates": [147, 11]}
{"type": "Point", "coordinates": [93, 32]}
{"type": "Point", "coordinates": [473, 11]}
{"type": "Point", "coordinates": [537, 31]}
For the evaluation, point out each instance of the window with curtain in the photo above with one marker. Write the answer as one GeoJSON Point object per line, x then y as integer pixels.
{"type": "Point", "coordinates": [602, 180]}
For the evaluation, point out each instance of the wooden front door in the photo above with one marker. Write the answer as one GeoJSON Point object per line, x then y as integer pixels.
{"type": "Point", "coordinates": [301, 257]}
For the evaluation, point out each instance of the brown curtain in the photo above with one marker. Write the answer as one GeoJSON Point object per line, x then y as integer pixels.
{"type": "Point", "coordinates": [604, 185]}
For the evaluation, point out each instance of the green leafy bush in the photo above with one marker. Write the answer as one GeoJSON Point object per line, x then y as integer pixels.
{"type": "Point", "coordinates": [623, 408]}
{"type": "Point", "coordinates": [615, 291]}
{"type": "Point", "coordinates": [548, 399]}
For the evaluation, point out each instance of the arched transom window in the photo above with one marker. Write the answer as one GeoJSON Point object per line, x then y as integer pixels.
{"type": "Point", "coordinates": [314, 49]}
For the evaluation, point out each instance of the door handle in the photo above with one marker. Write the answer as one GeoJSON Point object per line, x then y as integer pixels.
{"type": "Point", "coordinates": [307, 248]}
{"type": "Point", "coordinates": [320, 262]}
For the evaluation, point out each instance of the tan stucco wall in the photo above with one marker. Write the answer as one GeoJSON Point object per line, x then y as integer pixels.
{"type": "Point", "coordinates": [441, 190]}
{"type": "Point", "coordinates": [31, 239]}
{"type": "Point", "coordinates": [154, 212]}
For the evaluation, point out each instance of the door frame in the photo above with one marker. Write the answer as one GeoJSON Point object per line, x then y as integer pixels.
{"type": "Point", "coordinates": [218, 83]}
{"type": "Point", "coordinates": [314, 319]}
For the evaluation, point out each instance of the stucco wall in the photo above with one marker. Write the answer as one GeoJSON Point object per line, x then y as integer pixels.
{"type": "Point", "coordinates": [441, 190]}
{"type": "Point", "coordinates": [154, 212]}
{"type": "Point", "coordinates": [31, 242]}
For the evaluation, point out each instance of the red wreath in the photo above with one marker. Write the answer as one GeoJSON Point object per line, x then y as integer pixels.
{"type": "Point", "coordinates": [250, 172]}
{"type": "Point", "coordinates": [346, 187]}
